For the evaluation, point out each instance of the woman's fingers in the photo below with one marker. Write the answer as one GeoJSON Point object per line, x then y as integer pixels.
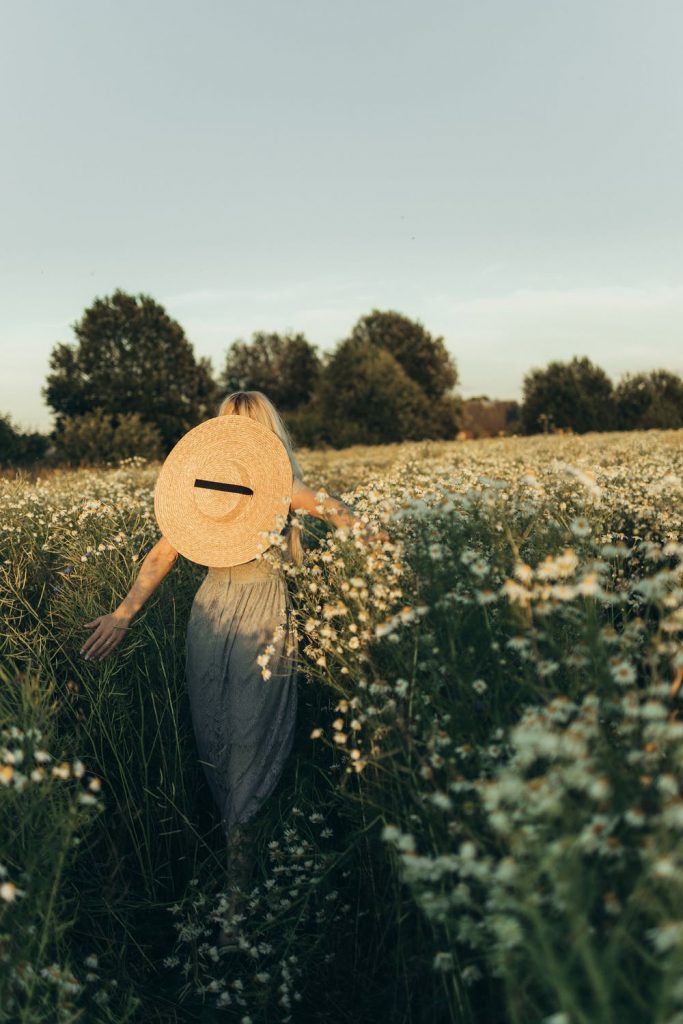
{"type": "Point", "coordinates": [97, 646]}
{"type": "Point", "coordinates": [372, 536]}
{"type": "Point", "coordinates": [93, 636]}
{"type": "Point", "coordinates": [109, 644]}
{"type": "Point", "coordinates": [104, 639]}
{"type": "Point", "coordinates": [92, 644]}
{"type": "Point", "coordinates": [104, 645]}
{"type": "Point", "coordinates": [90, 641]}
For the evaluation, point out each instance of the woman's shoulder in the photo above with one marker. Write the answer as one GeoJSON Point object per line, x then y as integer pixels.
{"type": "Point", "coordinates": [299, 490]}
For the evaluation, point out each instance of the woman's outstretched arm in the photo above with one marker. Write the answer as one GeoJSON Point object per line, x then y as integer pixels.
{"type": "Point", "coordinates": [331, 509]}
{"type": "Point", "coordinates": [110, 629]}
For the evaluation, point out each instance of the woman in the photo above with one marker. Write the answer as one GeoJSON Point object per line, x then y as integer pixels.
{"type": "Point", "coordinates": [243, 715]}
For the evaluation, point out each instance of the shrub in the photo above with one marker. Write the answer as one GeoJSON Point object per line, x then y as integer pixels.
{"type": "Point", "coordinates": [98, 437]}
{"type": "Point", "coordinates": [19, 449]}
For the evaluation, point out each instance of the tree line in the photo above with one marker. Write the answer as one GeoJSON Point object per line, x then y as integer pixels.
{"type": "Point", "coordinates": [130, 384]}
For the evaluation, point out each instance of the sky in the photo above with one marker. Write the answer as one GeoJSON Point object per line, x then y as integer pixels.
{"type": "Point", "coordinates": [508, 172]}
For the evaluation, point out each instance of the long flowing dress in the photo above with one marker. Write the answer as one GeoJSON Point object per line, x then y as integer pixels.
{"type": "Point", "coordinates": [243, 723]}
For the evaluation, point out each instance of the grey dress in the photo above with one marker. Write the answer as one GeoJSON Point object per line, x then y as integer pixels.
{"type": "Point", "coordinates": [243, 723]}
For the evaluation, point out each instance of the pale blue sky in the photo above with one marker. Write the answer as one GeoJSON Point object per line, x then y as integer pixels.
{"type": "Point", "coordinates": [507, 171]}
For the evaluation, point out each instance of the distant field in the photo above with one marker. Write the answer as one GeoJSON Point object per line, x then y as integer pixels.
{"type": "Point", "coordinates": [482, 818]}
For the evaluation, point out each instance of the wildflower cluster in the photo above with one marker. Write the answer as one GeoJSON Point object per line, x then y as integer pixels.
{"type": "Point", "coordinates": [578, 832]}
{"type": "Point", "coordinates": [69, 990]}
{"type": "Point", "coordinates": [24, 762]}
{"type": "Point", "coordinates": [500, 682]}
{"type": "Point", "coordinates": [592, 598]}
{"type": "Point", "coordinates": [38, 790]}
{"type": "Point", "coordinates": [276, 929]}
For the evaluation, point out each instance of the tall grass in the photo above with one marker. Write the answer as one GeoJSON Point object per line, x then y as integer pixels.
{"type": "Point", "coordinates": [480, 820]}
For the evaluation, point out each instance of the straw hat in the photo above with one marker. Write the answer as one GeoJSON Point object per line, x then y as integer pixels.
{"type": "Point", "coordinates": [222, 485]}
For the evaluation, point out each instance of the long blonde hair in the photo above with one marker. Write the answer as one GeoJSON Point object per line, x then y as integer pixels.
{"type": "Point", "coordinates": [260, 408]}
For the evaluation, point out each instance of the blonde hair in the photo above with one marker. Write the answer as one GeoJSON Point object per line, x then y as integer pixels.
{"type": "Point", "coordinates": [260, 408]}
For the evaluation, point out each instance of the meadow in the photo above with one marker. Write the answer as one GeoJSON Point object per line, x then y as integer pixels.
{"type": "Point", "coordinates": [481, 821]}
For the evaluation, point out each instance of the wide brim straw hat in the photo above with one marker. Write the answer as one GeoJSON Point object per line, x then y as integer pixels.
{"type": "Point", "coordinates": [221, 489]}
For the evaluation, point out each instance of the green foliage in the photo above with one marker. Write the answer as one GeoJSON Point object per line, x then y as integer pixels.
{"type": "Point", "coordinates": [576, 395]}
{"type": "Point", "coordinates": [570, 852]}
{"type": "Point", "coordinates": [131, 357]}
{"type": "Point", "coordinates": [423, 357]}
{"type": "Point", "coordinates": [647, 400]}
{"type": "Point", "coordinates": [387, 382]}
{"type": "Point", "coordinates": [513, 415]}
{"type": "Point", "coordinates": [98, 437]}
{"type": "Point", "coordinates": [72, 551]}
{"type": "Point", "coordinates": [19, 449]}
{"type": "Point", "coordinates": [285, 367]}
{"type": "Point", "coordinates": [368, 398]}
{"type": "Point", "coordinates": [482, 816]}
{"type": "Point", "coordinates": [306, 425]}
{"type": "Point", "coordinates": [49, 801]}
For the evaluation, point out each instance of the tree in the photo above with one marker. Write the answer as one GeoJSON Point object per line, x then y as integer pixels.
{"type": "Point", "coordinates": [512, 415]}
{"type": "Point", "coordinates": [366, 397]}
{"type": "Point", "coordinates": [97, 437]}
{"type": "Point", "coordinates": [575, 395]}
{"type": "Point", "coordinates": [646, 400]}
{"type": "Point", "coordinates": [423, 357]}
{"type": "Point", "coordinates": [388, 381]}
{"type": "Point", "coordinates": [17, 448]}
{"type": "Point", "coordinates": [131, 357]}
{"type": "Point", "coordinates": [286, 367]}
{"type": "Point", "coordinates": [307, 425]}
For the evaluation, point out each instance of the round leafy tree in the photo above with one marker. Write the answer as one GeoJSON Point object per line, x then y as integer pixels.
{"type": "Point", "coordinates": [576, 395]}
{"type": "Point", "coordinates": [131, 357]}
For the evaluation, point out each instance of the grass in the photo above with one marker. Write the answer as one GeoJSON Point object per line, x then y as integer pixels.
{"type": "Point", "coordinates": [481, 818]}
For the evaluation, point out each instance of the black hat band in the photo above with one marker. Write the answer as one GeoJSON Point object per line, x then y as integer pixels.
{"type": "Point", "coordinates": [214, 485]}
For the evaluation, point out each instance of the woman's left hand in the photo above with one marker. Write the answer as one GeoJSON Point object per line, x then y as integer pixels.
{"type": "Point", "coordinates": [371, 535]}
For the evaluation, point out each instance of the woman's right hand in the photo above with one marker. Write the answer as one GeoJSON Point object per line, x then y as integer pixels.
{"type": "Point", "coordinates": [109, 631]}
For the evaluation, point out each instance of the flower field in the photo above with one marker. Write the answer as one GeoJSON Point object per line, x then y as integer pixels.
{"type": "Point", "coordinates": [482, 817]}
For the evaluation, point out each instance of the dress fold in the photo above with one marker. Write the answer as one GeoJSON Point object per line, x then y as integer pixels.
{"type": "Point", "coordinates": [243, 724]}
